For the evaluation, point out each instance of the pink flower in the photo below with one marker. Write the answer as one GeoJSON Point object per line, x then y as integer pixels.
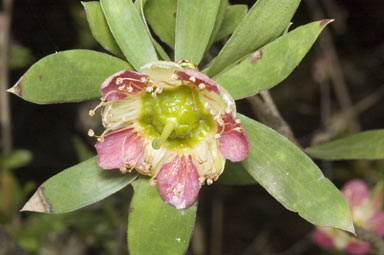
{"type": "Point", "coordinates": [366, 213]}
{"type": "Point", "coordinates": [172, 123]}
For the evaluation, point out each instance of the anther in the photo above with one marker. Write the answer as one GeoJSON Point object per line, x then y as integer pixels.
{"type": "Point", "coordinates": [201, 180]}
{"type": "Point", "coordinates": [149, 89]}
{"type": "Point", "coordinates": [209, 181]}
{"type": "Point", "coordinates": [217, 136]}
{"type": "Point", "coordinates": [143, 79]}
{"type": "Point", "coordinates": [238, 121]}
{"type": "Point", "coordinates": [91, 113]}
{"type": "Point", "coordinates": [153, 94]}
{"type": "Point", "coordinates": [91, 133]}
{"type": "Point", "coordinates": [123, 170]}
{"type": "Point", "coordinates": [121, 87]}
{"type": "Point", "coordinates": [228, 110]}
{"type": "Point", "coordinates": [207, 106]}
{"type": "Point", "coordinates": [100, 139]}
{"type": "Point", "coordinates": [192, 79]}
{"type": "Point", "coordinates": [201, 86]}
{"type": "Point", "coordinates": [213, 112]}
{"type": "Point", "coordinates": [119, 80]}
{"type": "Point", "coordinates": [129, 89]}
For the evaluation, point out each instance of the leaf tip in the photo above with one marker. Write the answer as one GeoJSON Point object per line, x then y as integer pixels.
{"type": "Point", "coordinates": [325, 22]}
{"type": "Point", "coordinates": [38, 203]}
{"type": "Point", "coordinates": [16, 89]}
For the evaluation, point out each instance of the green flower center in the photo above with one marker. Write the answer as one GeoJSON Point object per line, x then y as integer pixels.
{"type": "Point", "coordinates": [175, 118]}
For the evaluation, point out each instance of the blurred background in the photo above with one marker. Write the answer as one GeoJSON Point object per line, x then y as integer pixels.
{"type": "Point", "coordinates": [337, 90]}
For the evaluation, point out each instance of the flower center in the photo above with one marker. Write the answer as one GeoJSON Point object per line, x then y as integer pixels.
{"type": "Point", "coordinates": [175, 118]}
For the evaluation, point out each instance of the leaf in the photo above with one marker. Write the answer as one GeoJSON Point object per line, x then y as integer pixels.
{"type": "Point", "coordinates": [233, 15]}
{"type": "Point", "coordinates": [271, 64]}
{"type": "Point", "coordinates": [195, 20]}
{"type": "Point", "coordinates": [363, 145]}
{"type": "Point", "coordinates": [161, 16]}
{"type": "Point", "coordinates": [76, 187]}
{"type": "Point", "coordinates": [67, 76]}
{"type": "Point", "coordinates": [160, 51]}
{"type": "Point", "coordinates": [155, 227]}
{"type": "Point", "coordinates": [129, 31]}
{"type": "Point", "coordinates": [16, 159]}
{"type": "Point", "coordinates": [235, 174]}
{"type": "Point", "coordinates": [99, 27]}
{"type": "Point", "coordinates": [218, 22]}
{"type": "Point", "coordinates": [291, 177]}
{"type": "Point", "coordinates": [266, 20]}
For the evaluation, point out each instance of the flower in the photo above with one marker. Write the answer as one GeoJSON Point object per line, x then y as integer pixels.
{"type": "Point", "coordinates": [172, 123]}
{"type": "Point", "coordinates": [366, 213]}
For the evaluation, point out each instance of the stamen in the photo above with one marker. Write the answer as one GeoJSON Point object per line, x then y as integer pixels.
{"type": "Point", "coordinates": [149, 89]}
{"type": "Point", "coordinates": [91, 133]}
{"type": "Point", "coordinates": [201, 86]}
{"type": "Point", "coordinates": [194, 108]}
{"type": "Point", "coordinates": [228, 110]}
{"type": "Point", "coordinates": [174, 77]}
{"type": "Point", "coordinates": [217, 136]}
{"type": "Point", "coordinates": [201, 180]}
{"type": "Point", "coordinates": [209, 181]}
{"type": "Point", "coordinates": [129, 89]}
{"type": "Point", "coordinates": [92, 112]}
{"type": "Point", "coordinates": [153, 182]}
{"type": "Point", "coordinates": [238, 121]}
{"type": "Point", "coordinates": [213, 112]}
{"type": "Point", "coordinates": [121, 87]}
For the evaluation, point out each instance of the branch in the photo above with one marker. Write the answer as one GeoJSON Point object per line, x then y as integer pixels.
{"type": "Point", "coordinates": [6, 131]}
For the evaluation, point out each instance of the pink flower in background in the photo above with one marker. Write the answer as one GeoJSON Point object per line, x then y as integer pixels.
{"type": "Point", "coordinates": [366, 212]}
{"type": "Point", "coordinates": [172, 123]}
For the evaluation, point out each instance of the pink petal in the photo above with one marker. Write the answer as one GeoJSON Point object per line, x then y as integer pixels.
{"type": "Point", "coordinates": [178, 182]}
{"type": "Point", "coordinates": [321, 239]}
{"type": "Point", "coordinates": [110, 85]}
{"type": "Point", "coordinates": [358, 248]}
{"type": "Point", "coordinates": [186, 74]}
{"type": "Point", "coordinates": [376, 223]}
{"type": "Point", "coordinates": [119, 147]}
{"type": "Point", "coordinates": [234, 144]}
{"type": "Point", "coordinates": [355, 192]}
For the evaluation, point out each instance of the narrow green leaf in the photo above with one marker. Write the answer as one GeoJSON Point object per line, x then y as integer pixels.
{"type": "Point", "coordinates": [266, 20]}
{"type": "Point", "coordinates": [218, 22]}
{"type": "Point", "coordinates": [99, 27]}
{"type": "Point", "coordinates": [271, 64]}
{"type": "Point", "coordinates": [155, 227]}
{"type": "Point", "coordinates": [235, 174]}
{"type": "Point", "coordinates": [161, 16]}
{"type": "Point", "coordinates": [233, 15]}
{"type": "Point", "coordinates": [363, 145]}
{"type": "Point", "coordinates": [76, 187]}
{"type": "Point", "coordinates": [16, 159]}
{"type": "Point", "coordinates": [290, 176]}
{"type": "Point", "coordinates": [160, 51]}
{"type": "Point", "coordinates": [129, 31]}
{"type": "Point", "coordinates": [67, 76]}
{"type": "Point", "coordinates": [195, 20]}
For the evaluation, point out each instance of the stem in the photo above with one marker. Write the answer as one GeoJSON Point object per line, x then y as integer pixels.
{"type": "Point", "coordinates": [5, 119]}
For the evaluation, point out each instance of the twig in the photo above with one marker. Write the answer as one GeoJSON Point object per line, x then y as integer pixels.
{"type": "Point", "coordinates": [336, 72]}
{"type": "Point", "coordinates": [6, 131]}
{"type": "Point", "coordinates": [266, 111]}
{"type": "Point", "coordinates": [217, 224]}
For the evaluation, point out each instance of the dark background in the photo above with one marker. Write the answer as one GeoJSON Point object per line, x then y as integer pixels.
{"type": "Point", "coordinates": [231, 219]}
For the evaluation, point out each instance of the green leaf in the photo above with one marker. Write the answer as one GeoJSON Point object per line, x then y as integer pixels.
{"type": "Point", "coordinates": [129, 31]}
{"type": "Point", "coordinates": [17, 158]}
{"type": "Point", "coordinates": [218, 22]}
{"type": "Point", "coordinates": [99, 27]}
{"type": "Point", "coordinates": [76, 187]}
{"type": "Point", "coordinates": [67, 76]}
{"type": "Point", "coordinates": [155, 227]}
{"type": "Point", "coordinates": [271, 64]}
{"type": "Point", "coordinates": [195, 20]}
{"type": "Point", "coordinates": [233, 15]}
{"type": "Point", "coordinates": [363, 145]}
{"type": "Point", "coordinates": [266, 20]}
{"type": "Point", "coordinates": [290, 176]}
{"type": "Point", "coordinates": [235, 174]}
{"type": "Point", "coordinates": [161, 16]}
{"type": "Point", "coordinates": [162, 54]}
